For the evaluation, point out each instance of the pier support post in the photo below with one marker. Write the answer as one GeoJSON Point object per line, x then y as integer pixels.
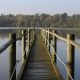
{"type": "Point", "coordinates": [45, 36]}
{"type": "Point", "coordinates": [54, 43]}
{"type": "Point", "coordinates": [48, 46]}
{"type": "Point", "coordinates": [50, 39]}
{"type": "Point", "coordinates": [23, 46]}
{"type": "Point", "coordinates": [70, 57]}
{"type": "Point", "coordinates": [28, 39]}
{"type": "Point", "coordinates": [12, 57]}
{"type": "Point", "coordinates": [32, 35]}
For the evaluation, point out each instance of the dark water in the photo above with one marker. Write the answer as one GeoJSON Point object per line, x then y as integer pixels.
{"type": "Point", "coordinates": [61, 51]}
{"type": "Point", "coordinates": [4, 60]}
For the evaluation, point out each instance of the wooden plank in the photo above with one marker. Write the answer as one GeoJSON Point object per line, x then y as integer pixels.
{"type": "Point", "coordinates": [39, 66]}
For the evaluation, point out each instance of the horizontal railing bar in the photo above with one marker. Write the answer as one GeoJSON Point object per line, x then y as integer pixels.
{"type": "Point", "coordinates": [6, 45]}
{"type": "Point", "coordinates": [39, 28]}
{"type": "Point", "coordinates": [59, 37]}
{"type": "Point", "coordinates": [58, 58]}
{"type": "Point", "coordinates": [75, 44]}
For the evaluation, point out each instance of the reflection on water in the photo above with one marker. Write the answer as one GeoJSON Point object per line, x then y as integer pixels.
{"type": "Point", "coordinates": [77, 62]}
{"type": "Point", "coordinates": [61, 51]}
{"type": "Point", "coordinates": [4, 61]}
{"type": "Point", "coordinates": [4, 57]}
{"type": "Point", "coordinates": [5, 33]}
{"type": "Point", "coordinates": [4, 65]}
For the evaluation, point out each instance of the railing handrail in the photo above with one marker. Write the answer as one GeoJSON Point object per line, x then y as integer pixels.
{"type": "Point", "coordinates": [12, 44]}
{"type": "Point", "coordinates": [70, 48]}
{"type": "Point", "coordinates": [18, 27]}
{"type": "Point", "coordinates": [60, 60]}
{"type": "Point", "coordinates": [7, 44]}
{"type": "Point", "coordinates": [75, 44]}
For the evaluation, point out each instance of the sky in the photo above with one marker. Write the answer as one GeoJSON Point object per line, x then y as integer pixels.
{"type": "Point", "coordinates": [39, 6]}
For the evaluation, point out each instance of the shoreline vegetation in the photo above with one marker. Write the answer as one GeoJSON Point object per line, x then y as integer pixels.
{"type": "Point", "coordinates": [43, 20]}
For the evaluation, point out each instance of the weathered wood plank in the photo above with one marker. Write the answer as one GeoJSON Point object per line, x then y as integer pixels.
{"type": "Point", "coordinates": [39, 66]}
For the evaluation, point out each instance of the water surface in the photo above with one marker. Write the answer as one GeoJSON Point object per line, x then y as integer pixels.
{"type": "Point", "coordinates": [61, 52]}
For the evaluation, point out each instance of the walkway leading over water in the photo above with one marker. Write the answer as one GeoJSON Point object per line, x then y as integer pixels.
{"type": "Point", "coordinates": [39, 66]}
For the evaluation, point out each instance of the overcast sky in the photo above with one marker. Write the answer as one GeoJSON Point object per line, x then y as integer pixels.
{"type": "Point", "coordinates": [39, 6]}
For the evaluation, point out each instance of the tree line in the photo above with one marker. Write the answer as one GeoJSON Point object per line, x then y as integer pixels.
{"type": "Point", "coordinates": [40, 20]}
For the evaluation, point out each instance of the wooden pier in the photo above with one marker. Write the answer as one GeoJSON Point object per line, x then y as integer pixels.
{"type": "Point", "coordinates": [39, 66]}
{"type": "Point", "coordinates": [39, 63]}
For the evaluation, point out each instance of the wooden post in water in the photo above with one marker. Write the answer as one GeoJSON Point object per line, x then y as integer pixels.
{"type": "Point", "coordinates": [28, 39]}
{"type": "Point", "coordinates": [54, 43]}
{"type": "Point", "coordinates": [48, 46]}
{"type": "Point", "coordinates": [32, 35]}
{"type": "Point", "coordinates": [45, 36]}
{"type": "Point", "coordinates": [49, 40]}
{"type": "Point", "coordinates": [23, 46]}
{"type": "Point", "coordinates": [70, 57]}
{"type": "Point", "coordinates": [12, 57]}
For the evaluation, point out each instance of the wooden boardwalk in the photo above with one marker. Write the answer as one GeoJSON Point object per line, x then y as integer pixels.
{"type": "Point", "coordinates": [39, 66]}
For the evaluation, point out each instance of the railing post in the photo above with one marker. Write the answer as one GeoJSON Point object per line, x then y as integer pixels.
{"type": "Point", "coordinates": [12, 57]}
{"type": "Point", "coordinates": [70, 57]}
{"type": "Point", "coordinates": [54, 43]}
{"type": "Point", "coordinates": [28, 39]}
{"type": "Point", "coordinates": [32, 35]}
{"type": "Point", "coordinates": [23, 46]}
{"type": "Point", "coordinates": [48, 40]}
{"type": "Point", "coordinates": [45, 36]}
